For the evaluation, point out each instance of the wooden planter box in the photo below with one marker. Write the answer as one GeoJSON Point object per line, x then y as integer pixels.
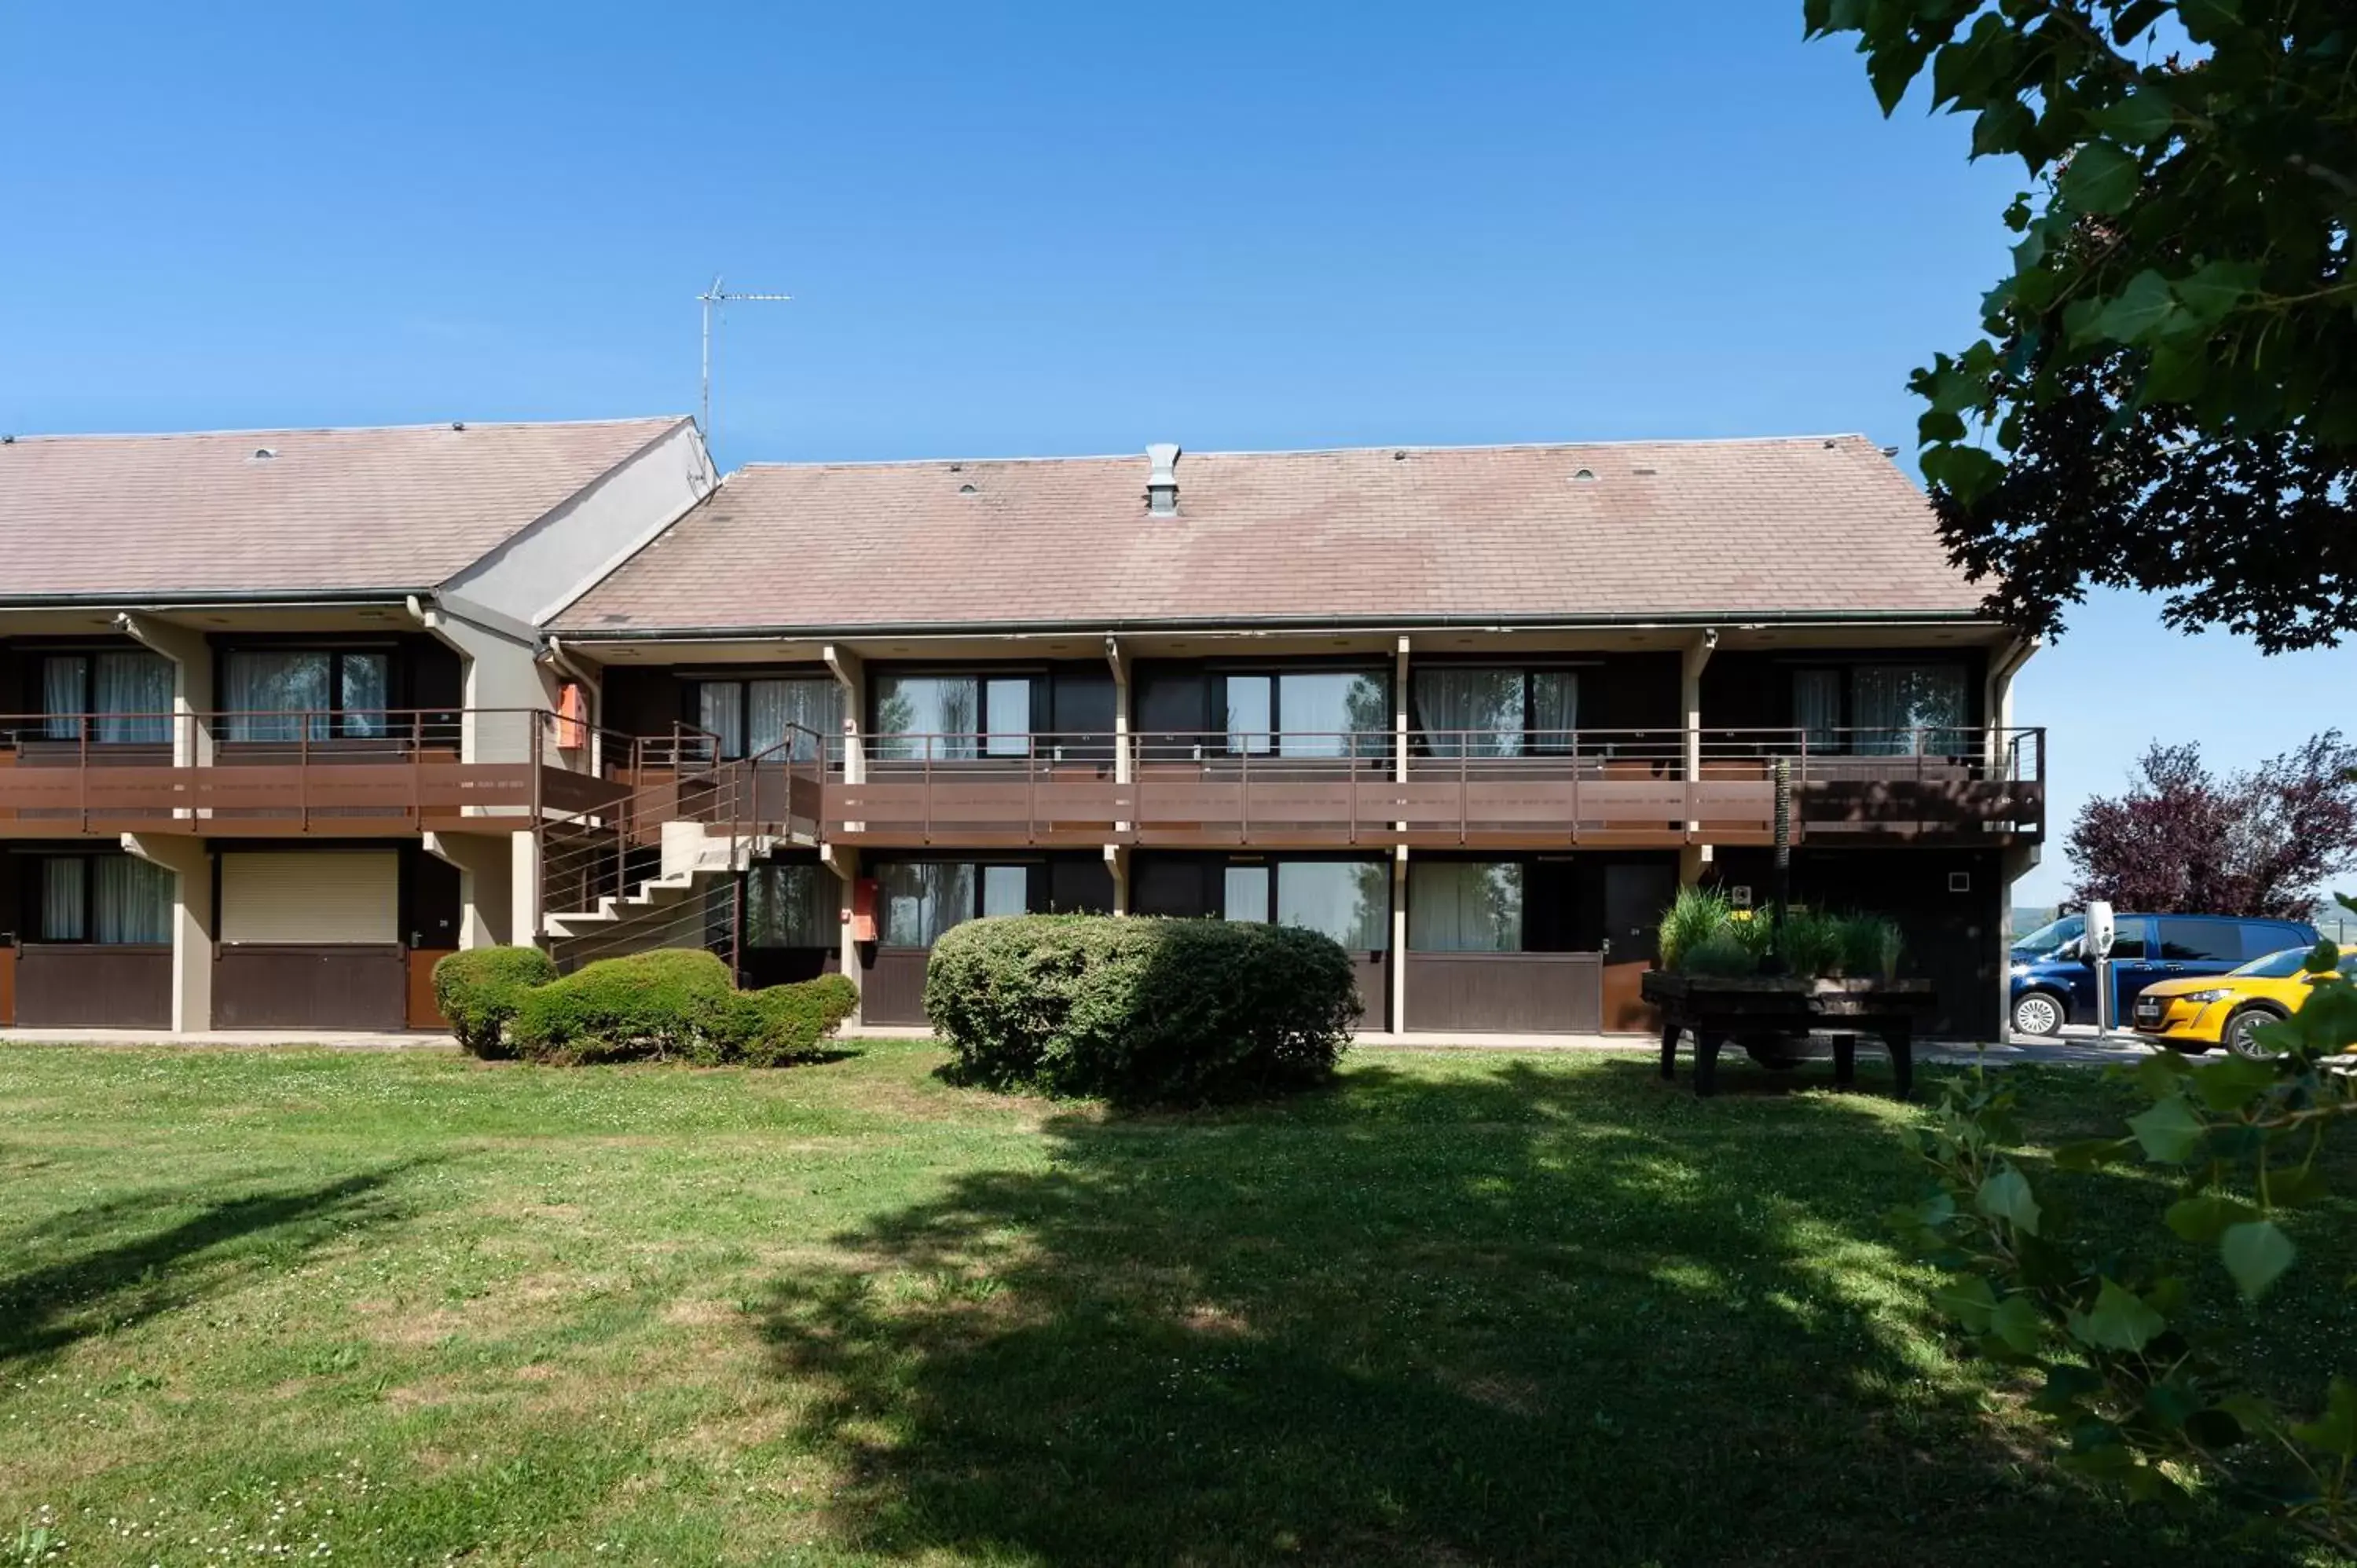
{"type": "Point", "coordinates": [1718, 1008]}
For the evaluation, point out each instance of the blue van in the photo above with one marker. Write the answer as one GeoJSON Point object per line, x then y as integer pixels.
{"type": "Point", "coordinates": [2053, 985]}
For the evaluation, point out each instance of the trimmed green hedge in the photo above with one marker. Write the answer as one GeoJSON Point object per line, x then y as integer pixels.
{"type": "Point", "coordinates": [671, 1004]}
{"type": "Point", "coordinates": [783, 1022]}
{"type": "Point", "coordinates": [479, 989]}
{"type": "Point", "coordinates": [1140, 1010]}
{"type": "Point", "coordinates": [662, 1003]}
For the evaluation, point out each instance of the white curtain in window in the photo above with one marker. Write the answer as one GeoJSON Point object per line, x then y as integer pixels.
{"type": "Point", "coordinates": [1464, 906]}
{"type": "Point", "coordinates": [1349, 900]}
{"type": "Point", "coordinates": [927, 716]}
{"type": "Point", "coordinates": [1006, 889]}
{"type": "Point", "coordinates": [790, 906]}
{"type": "Point", "coordinates": [63, 910]}
{"type": "Point", "coordinates": [1469, 712]}
{"type": "Point", "coordinates": [924, 898]}
{"type": "Point", "coordinates": [62, 679]}
{"type": "Point", "coordinates": [269, 693]}
{"type": "Point", "coordinates": [1252, 713]}
{"type": "Point", "coordinates": [777, 708]}
{"type": "Point", "coordinates": [133, 901]}
{"type": "Point", "coordinates": [367, 691]}
{"type": "Point", "coordinates": [1817, 708]}
{"type": "Point", "coordinates": [133, 698]}
{"type": "Point", "coordinates": [719, 710]}
{"type": "Point", "coordinates": [1554, 709]}
{"type": "Point", "coordinates": [1244, 893]}
{"type": "Point", "coordinates": [1333, 714]}
{"type": "Point", "coordinates": [1903, 708]}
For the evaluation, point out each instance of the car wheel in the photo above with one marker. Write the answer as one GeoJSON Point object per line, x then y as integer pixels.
{"type": "Point", "coordinates": [2037, 1014]}
{"type": "Point", "coordinates": [2240, 1033]}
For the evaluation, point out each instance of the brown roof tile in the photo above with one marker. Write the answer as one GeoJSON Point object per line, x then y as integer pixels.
{"type": "Point", "coordinates": [366, 510]}
{"type": "Point", "coordinates": [1715, 527]}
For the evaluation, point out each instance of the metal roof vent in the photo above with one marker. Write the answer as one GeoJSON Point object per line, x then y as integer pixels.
{"type": "Point", "coordinates": [966, 489]}
{"type": "Point", "coordinates": [263, 454]}
{"type": "Point", "coordinates": [1162, 484]}
{"type": "Point", "coordinates": [1584, 476]}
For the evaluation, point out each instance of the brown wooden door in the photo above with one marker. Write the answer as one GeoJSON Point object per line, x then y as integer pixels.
{"type": "Point", "coordinates": [423, 1012]}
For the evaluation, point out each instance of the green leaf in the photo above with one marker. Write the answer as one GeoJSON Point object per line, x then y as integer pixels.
{"type": "Point", "coordinates": [1966, 472]}
{"type": "Point", "coordinates": [2255, 1253]}
{"type": "Point", "coordinates": [2204, 1217]}
{"type": "Point", "coordinates": [2066, 1385]}
{"type": "Point", "coordinates": [2335, 1431]}
{"type": "Point", "coordinates": [2214, 289]}
{"type": "Point", "coordinates": [2297, 1186]}
{"type": "Point", "coordinates": [2102, 178]}
{"type": "Point", "coordinates": [2088, 1153]}
{"type": "Point", "coordinates": [2138, 313]}
{"type": "Point", "coordinates": [2233, 1082]}
{"type": "Point", "coordinates": [2121, 1321]}
{"type": "Point", "coordinates": [2017, 1322]}
{"type": "Point", "coordinates": [2005, 1196]}
{"type": "Point", "coordinates": [2002, 128]}
{"type": "Point", "coordinates": [1939, 424]}
{"type": "Point", "coordinates": [1970, 1302]}
{"type": "Point", "coordinates": [2168, 1132]}
{"type": "Point", "coordinates": [2204, 20]}
{"type": "Point", "coordinates": [2143, 117]}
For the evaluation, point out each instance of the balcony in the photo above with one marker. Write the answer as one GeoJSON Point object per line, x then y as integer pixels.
{"type": "Point", "coordinates": [1590, 787]}
{"type": "Point", "coordinates": [353, 773]}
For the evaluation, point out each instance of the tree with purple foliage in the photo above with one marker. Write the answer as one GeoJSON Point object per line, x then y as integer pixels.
{"type": "Point", "coordinates": [2182, 839]}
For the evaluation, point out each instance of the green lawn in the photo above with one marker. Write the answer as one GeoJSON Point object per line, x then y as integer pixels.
{"type": "Point", "coordinates": [1464, 1308]}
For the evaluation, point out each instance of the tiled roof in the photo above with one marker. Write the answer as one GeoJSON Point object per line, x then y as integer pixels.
{"type": "Point", "coordinates": [1769, 527]}
{"type": "Point", "coordinates": [367, 510]}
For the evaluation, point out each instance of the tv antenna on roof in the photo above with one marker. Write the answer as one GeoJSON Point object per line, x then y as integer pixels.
{"type": "Point", "coordinates": [717, 295]}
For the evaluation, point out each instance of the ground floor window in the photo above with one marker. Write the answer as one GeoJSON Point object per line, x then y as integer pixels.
{"type": "Point", "coordinates": [790, 905]}
{"type": "Point", "coordinates": [1349, 900]}
{"type": "Point", "coordinates": [923, 898]}
{"type": "Point", "coordinates": [1465, 906]}
{"type": "Point", "coordinates": [108, 899]}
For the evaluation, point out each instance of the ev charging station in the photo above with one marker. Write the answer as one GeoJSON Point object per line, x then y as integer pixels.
{"type": "Point", "coordinates": [2096, 946]}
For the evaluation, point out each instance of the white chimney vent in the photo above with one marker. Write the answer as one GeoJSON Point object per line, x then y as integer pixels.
{"type": "Point", "coordinates": [1162, 484]}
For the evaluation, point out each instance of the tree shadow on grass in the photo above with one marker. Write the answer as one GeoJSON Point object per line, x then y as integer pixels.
{"type": "Point", "coordinates": [115, 1264]}
{"type": "Point", "coordinates": [1513, 1313]}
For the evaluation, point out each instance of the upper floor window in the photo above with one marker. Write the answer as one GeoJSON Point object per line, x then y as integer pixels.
{"type": "Point", "coordinates": [952, 717]}
{"type": "Point", "coordinates": [1307, 713]}
{"type": "Point", "coordinates": [126, 693]}
{"type": "Point", "coordinates": [307, 694]}
{"type": "Point", "coordinates": [1495, 713]}
{"type": "Point", "coordinates": [1884, 710]}
{"type": "Point", "coordinates": [754, 719]}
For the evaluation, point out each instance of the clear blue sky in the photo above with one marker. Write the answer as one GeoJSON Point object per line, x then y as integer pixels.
{"type": "Point", "coordinates": [1030, 229]}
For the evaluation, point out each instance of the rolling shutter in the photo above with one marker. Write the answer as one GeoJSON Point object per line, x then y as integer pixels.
{"type": "Point", "coordinates": [311, 898]}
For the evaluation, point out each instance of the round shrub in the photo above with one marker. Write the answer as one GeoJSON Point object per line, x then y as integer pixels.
{"type": "Point", "coordinates": [479, 990]}
{"type": "Point", "coordinates": [1139, 1010]}
{"type": "Point", "coordinates": [781, 1023]}
{"type": "Point", "coordinates": [664, 1004]}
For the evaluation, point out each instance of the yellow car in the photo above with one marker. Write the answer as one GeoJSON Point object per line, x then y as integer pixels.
{"type": "Point", "coordinates": [2205, 1010]}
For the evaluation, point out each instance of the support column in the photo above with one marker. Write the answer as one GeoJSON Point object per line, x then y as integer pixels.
{"type": "Point", "coordinates": [850, 672]}
{"type": "Point", "coordinates": [192, 688]}
{"type": "Point", "coordinates": [1399, 938]}
{"type": "Point", "coordinates": [845, 864]}
{"type": "Point", "coordinates": [190, 862]}
{"type": "Point", "coordinates": [504, 686]}
{"type": "Point", "coordinates": [1116, 857]}
{"type": "Point", "coordinates": [523, 884]}
{"type": "Point", "coordinates": [1119, 663]}
{"type": "Point", "coordinates": [1690, 667]}
{"type": "Point", "coordinates": [486, 884]}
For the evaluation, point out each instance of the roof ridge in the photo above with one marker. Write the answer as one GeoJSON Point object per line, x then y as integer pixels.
{"type": "Point", "coordinates": [21, 438]}
{"type": "Point", "coordinates": [1139, 455]}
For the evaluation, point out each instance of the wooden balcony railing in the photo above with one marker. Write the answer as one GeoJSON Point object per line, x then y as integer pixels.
{"type": "Point", "coordinates": [1458, 789]}
{"type": "Point", "coordinates": [350, 771]}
